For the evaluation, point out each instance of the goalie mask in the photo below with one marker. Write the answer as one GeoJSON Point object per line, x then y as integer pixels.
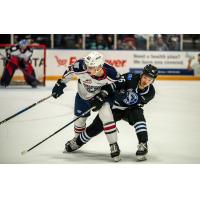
{"type": "Point", "coordinates": [23, 43]}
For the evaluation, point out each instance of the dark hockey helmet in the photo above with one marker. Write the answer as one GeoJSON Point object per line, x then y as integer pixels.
{"type": "Point", "coordinates": [150, 70]}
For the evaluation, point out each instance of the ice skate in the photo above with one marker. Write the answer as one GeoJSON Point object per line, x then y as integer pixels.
{"type": "Point", "coordinates": [34, 84]}
{"type": "Point", "coordinates": [115, 152]}
{"type": "Point", "coordinates": [142, 151]}
{"type": "Point", "coordinates": [71, 145]}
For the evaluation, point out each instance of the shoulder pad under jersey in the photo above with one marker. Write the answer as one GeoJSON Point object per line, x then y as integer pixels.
{"type": "Point", "coordinates": [79, 66]}
{"type": "Point", "coordinates": [111, 72]}
{"type": "Point", "coordinates": [14, 48]}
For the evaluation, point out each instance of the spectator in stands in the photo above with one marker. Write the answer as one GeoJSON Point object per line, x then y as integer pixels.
{"type": "Point", "coordinates": [141, 42]}
{"type": "Point", "coordinates": [195, 38]}
{"type": "Point", "coordinates": [79, 43]}
{"type": "Point", "coordinates": [68, 41]}
{"type": "Point", "coordinates": [126, 42]}
{"type": "Point", "coordinates": [173, 43]}
{"type": "Point", "coordinates": [159, 44]}
{"type": "Point", "coordinates": [129, 43]}
{"type": "Point", "coordinates": [120, 44]}
{"type": "Point", "coordinates": [99, 42]}
{"type": "Point", "coordinates": [195, 66]}
{"type": "Point", "coordinates": [110, 41]}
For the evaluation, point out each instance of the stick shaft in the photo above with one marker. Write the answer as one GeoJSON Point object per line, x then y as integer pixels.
{"type": "Point", "coordinates": [59, 130]}
{"type": "Point", "coordinates": [25, 109]}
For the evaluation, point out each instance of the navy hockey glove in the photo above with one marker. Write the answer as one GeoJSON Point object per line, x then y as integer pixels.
{"type": "Point", "coordinates": [98, 100]}
{"type": "Point", "coordinates": [58, 88]}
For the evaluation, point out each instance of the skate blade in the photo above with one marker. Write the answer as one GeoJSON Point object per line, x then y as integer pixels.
{"type": "Point", "coordinates": [116, 158]}
{"type": "Point", "coordinates": [65, 151]}
{"type": "Point", "coordinates": [141, 158]}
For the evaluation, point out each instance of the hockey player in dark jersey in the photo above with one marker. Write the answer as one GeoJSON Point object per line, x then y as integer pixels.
{"type": "Point", "coordinates": [93, 73]}
{"type": "Point", "coordinates": [18, 57]}
{"type": "Point", "coordinates": [131, 93]}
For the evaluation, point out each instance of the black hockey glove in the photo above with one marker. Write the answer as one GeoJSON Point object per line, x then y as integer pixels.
{"type": "Point", "coordinates": [58, 88]}
{"type": "Point", "coordinates": [98, 100]}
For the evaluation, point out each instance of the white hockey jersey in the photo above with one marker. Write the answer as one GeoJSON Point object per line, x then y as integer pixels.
{"type": "Point", "coordinates": [15, 51]}
{"type": "Point", "coordinates": [89, 86]}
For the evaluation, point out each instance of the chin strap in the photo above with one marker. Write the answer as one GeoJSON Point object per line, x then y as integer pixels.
{"type": "Point", "coordinates": [98, 71]}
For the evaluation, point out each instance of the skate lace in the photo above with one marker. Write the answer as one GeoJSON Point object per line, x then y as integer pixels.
{"type": "Point", "coordinates": [114, 148]}
{"type": "Point", "coordinates": [73, 143]}
{"type": "Point", "coordinates": [141, 147]}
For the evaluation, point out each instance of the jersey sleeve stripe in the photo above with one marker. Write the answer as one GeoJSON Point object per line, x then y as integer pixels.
{"type": "Point", "coordinates": [112, 80]}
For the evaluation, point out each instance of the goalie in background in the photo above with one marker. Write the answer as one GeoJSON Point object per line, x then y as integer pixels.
{"type": "Point", "coordinates": [18, 57]}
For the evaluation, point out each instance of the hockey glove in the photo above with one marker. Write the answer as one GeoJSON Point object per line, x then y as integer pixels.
{"type": "Point", "coordinates": [98, 100]}
{"type": "Point", "coordinates": [58, 88]}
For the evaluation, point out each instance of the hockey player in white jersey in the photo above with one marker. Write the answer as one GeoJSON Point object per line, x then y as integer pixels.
{"type": "Point", "coordinates": [93, 73]}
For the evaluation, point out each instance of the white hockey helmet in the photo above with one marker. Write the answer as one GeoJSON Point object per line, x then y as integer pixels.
{"type": "Point", "coordinates": [94, 59]}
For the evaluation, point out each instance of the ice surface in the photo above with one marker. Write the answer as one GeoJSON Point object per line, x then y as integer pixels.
{"type": "Point", "coordinates": [172, 119]}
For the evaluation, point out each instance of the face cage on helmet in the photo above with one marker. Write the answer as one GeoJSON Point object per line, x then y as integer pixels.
{"type": "Point", "coordinates": [23, 43]}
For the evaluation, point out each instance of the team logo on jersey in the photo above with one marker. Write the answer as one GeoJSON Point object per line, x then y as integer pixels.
{"type": "Point", "coordinates": [90, 88]}
{"type": "Point", "coordinates": [131, 97]}
{"type": "Point", "coordinates": [87, 81]}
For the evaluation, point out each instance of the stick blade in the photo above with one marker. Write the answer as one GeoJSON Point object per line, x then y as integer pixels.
{"type": "Point", "coordinates": [24, 152]}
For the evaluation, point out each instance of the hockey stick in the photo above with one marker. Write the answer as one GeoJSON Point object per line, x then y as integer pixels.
{"type": "Point", "coordinates": [25, 151]}
{"type": "Point", "coordinates": [25, 109]}
{"type": "Point", "coordinates": [24, 71]}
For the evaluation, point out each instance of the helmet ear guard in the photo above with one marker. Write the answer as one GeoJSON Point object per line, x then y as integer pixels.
{"type": "Point", "coordinates": [151, 71]}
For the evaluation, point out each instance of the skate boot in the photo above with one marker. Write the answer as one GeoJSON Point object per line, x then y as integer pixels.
{"type": "Point", "coordinates": [115, 152]}
{"type": "Point", "coordinates": [34, 84]}
{"type": "Point", "coordinates": [3, 84]}
{"type": "Point", "coordinates": [71, 145]}
{"type": "Point", "coordinates": [142, 151]}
